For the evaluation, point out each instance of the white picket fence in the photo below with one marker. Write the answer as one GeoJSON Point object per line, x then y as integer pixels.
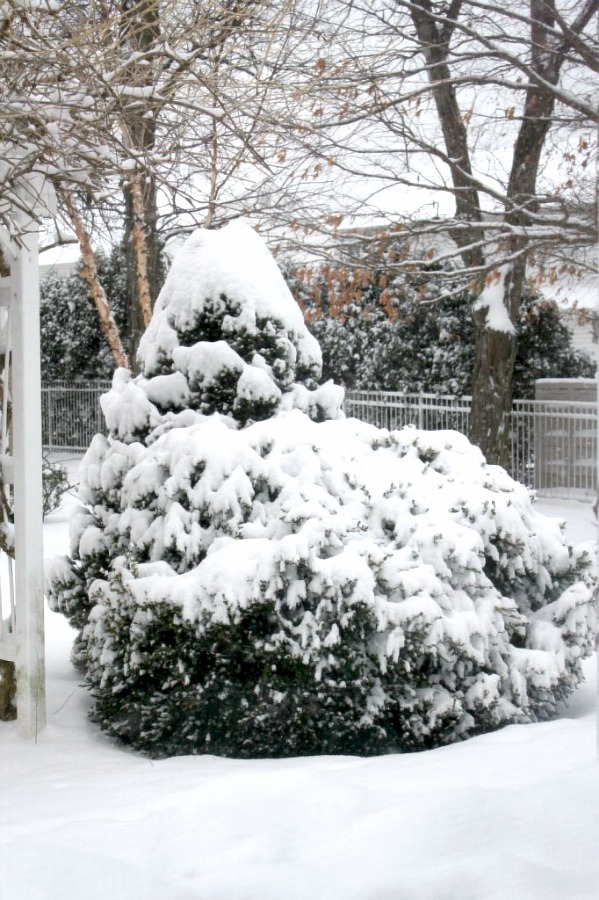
{"type": "Point", "coordinates": [554, 443]}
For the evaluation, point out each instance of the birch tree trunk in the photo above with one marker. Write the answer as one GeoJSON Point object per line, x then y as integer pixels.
{"type": "Point", "coordinates": [89, 272]}
{"type": "Point", "coordinates": [139, 238]}
{"type": "Point", "coordinates": [140, 31]}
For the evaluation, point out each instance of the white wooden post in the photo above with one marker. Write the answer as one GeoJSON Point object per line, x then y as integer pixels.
{"type": "Point", "coordinates": [28, 504]}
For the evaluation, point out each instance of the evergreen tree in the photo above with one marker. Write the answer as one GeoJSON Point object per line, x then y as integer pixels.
{"type": "Point", "coordinates": [252, 574]}
{"type": "Point", "coordinates": [72, 345]}
{"type": "Point", "coordinates": [409, 334]}
{"type": "Point", "coordinates": [544, 348]}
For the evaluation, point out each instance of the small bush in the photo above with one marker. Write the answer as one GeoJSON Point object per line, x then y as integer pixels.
{"type": "Point", "coordinates": [55, 484]}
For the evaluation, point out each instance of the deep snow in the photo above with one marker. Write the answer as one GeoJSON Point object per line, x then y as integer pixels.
{"type": "Point", "coordinates": [511, 814]}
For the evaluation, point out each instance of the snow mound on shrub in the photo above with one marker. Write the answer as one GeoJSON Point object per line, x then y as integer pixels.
{"type": "Point", "coordinates": [227, 326]}
{"type": "Point", "coordinates": [301, 587]}
{"type": "Point", "coordinates": [231, 265]}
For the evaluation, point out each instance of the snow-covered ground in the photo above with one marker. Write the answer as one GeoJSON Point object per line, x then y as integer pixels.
{"type": "Point", "coordinates": [508, 815]}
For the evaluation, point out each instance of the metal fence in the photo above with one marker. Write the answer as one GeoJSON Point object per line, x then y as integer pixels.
{"type": "Point", "coordinates": [71, 414]}
{"type": "Point", "coordinates": [554, 443]}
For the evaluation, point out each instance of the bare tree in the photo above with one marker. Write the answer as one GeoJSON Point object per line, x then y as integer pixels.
{"type": "Point", "coordinates": [149, 117]}
{"type": "Point", "coordinates": [197, 88]}
{"type": "Point", "coordinates": [158, 117]}
{"type": "Point", "coordinates": [53, 126]}
{"type": "Point", "coordinates": [476, 101]}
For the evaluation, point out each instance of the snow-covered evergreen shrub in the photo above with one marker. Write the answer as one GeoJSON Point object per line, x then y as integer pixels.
{"type": "Point", "coordinates": [401, 333]}
{"type": "Point", "coordinates": [254, 575]}
{"type": "Point", "coordinates": [72, 344]}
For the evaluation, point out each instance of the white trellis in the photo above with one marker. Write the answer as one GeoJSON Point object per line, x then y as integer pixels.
{"type": "Point", "coordinates": [21, 585]}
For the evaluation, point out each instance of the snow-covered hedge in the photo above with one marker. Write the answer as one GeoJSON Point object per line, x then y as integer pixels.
{"type": "Point", "coordinates": [252, 574]}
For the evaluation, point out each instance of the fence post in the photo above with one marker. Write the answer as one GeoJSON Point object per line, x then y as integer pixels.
{"type": "Point", "coordinates": [49, 394]}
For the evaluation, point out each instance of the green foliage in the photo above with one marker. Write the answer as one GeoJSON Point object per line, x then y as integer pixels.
{"type": "Point", "coordinates": [73, 347]}
{"type": "Point", "coordinates": [228, 606]}
{"type": "Point", "coordinates": [55, 484]}
{"type": "Point", "coordinates": [226, 689]}
{"type": "Point", "coordinates": [250, 580]}
{"type": "Point", "coordinates": [545, 348]}
{"type": "Point", "coordinates": [8, 691]}
{"type": "Point", "coordinates": [411, 336]}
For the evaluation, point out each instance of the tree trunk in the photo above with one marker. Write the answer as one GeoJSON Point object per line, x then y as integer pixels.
{"type": "Point", "coordinates": [492, 376]}
{"type": "Point", "coordinates": [494, 351]}
{"type": "Point", "coordinates": [89, 271]}
{"type": "Point", "coordinates": [143, 255]}
{"type": "Point", "coordinates": [140, 30]}
{"type": "Point", "coordinates": [435, 42]}
{"type": "Point", "coordinates": [8, 691]}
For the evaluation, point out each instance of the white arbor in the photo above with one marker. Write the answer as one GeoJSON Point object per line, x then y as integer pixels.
{"type": "Point", "coordinates": [21, 584]}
